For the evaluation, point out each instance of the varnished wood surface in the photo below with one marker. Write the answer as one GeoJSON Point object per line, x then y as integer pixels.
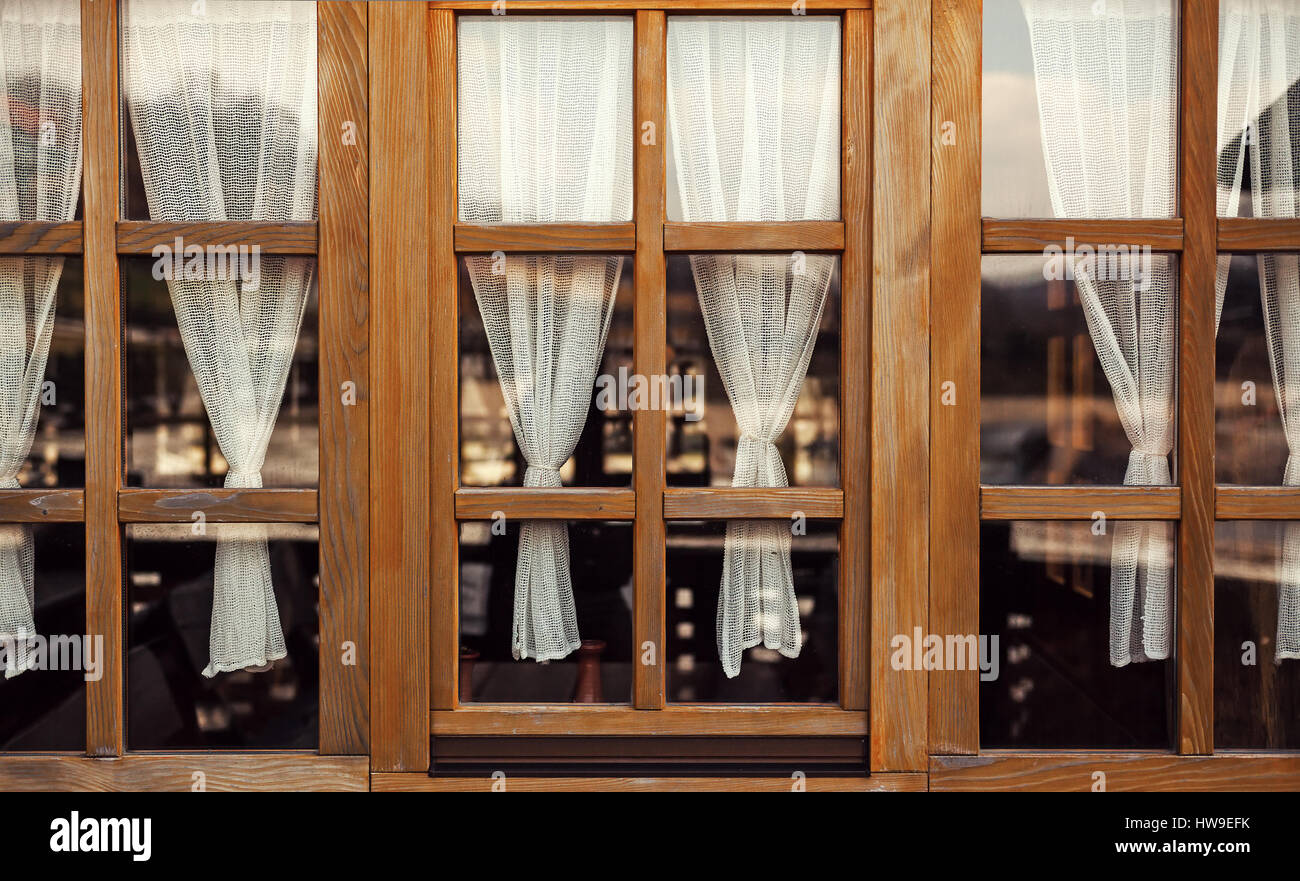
{"type": "Point", "coordinates": [1123, 772]}
{"type": "Point", "coordinates": [900, 377]}
{"type": "Point", "coordinates": [669, 5]}
{"type": "Point", "coordinates": [1258, 234]}
{"type": "Point", "coordinates": [217, 505]}
{"type": "Point", "coordinates": [42, 506]}
{"type": "Point", "coordinates": [1032, 236]}
{"type": "Point", "coordinates": [728, 503]}
{"type": "Point", "coordinates": [35, 237]}
{"type": "Point", "coordinates": [213, 770]}
{"type": "Point", "coordinates": [141, 237]}
{"type": "Point", "coordinates": [595, 720]}
{"type": "Point", "coordinates": [403, 304]}
{"type": "Point", "coordinates": [551, 238]}
{"type": "Point", "coordinates": [810, 783]}
{"type": "Point", "coordinates": [105, 722]}
{"type": "Point", "coordinates": [1080, 502]}
{"type": "Point", "coordinates": [800, 235]}
{"type": "Point", "coordinates": [1257, 502]}
{"type": "Point", "coordinates": [570, 503]}
{"type": "Point", "coordinates": [955, 363]}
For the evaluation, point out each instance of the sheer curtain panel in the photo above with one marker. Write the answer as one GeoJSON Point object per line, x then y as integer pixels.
{"type": "Point", "coordinates": [222, 98]}
{"type": "Point", "coordinates": [754, 115]}
{"type": "Point", "coordinates": [40, 178]}
{"type": "Point", "coordinates": [545, 136]}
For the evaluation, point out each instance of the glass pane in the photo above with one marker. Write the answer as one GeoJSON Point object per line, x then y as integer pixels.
{"type": "Point", "coordinates": [1256, 694]}
{"type": "Point", "coordinates": [546, 380]}
{"type": "Point", "coordinates": [545, 119]}
{"type": "Point", "coordinates": [45, 707]}
{"type": "Point", "coordinates": [170, 703]}
{"type": "Point", "coordinates": [753, 118]}
{"type": "Point", "coordinates": [1047, 411]}
{"type": "Point", "coordinates": [764, 364]}
{"type": "Point", "coordinates": [600, 567]}
{"type": "Point", "coordinates": [170, 441]}
{"type": "Point", "coordinates": [1079, 108]}
{"type": "Point", "coordinates": [696, 555]}
{"type": "Point", "coordinates": [1259, 109]}
{"type": "Point", "coordinates": [1250, 438]}
{"type": "Point", "coordinates": [1045, 595]}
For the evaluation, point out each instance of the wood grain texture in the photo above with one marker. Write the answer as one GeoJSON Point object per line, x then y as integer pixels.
{"type": "Point", "coordinates": [1032, 236]}
{"type": "Point", "coordinates": [570, 503]}
{"type": "Point", "coordinates": [1258, 234]}
{"type": "Point", "coordinates": [550, 238]}
{"type": "Point", "coordinates": [142, 236]}
{"type": "Point", "coordinates": [1198, 103]}
{"type": "Point", "coordinates": [444, 475]}
{"type": "Point", "coordinates": [42, 506]}
{"type": "Point", "coordinates": [724, 502]}
{"type": "Point", "coordinates": [955, 359]}
{"type": "Point", "coordinates": [344, 279]}
{"type": "Point", "coordinates": [900, 377]}
{"type": "Point", "coordinates": [650, 358]}
{"type": "Point", "coordinates": [855, 363]}
{"type": "Point", "coordinates": [175, 772]}
{"type": "Point", "coordinates": [217, 505]}
{"type": "Point", "coordinates": [1125, 772]}
{"type": "Point", "coordinates": [593, 720]}
{"type": "Point", "coordinates": [403, 298]}
{"type": "Point", "coordinates": [1080, 502]}
{"type": "Point", "coordinates": [783, 6]}
{"type": "Point", "coordinates": [802, 235]}
{"type": "Point", "coordinates": [105, 724]}
{"type": "Point", "coordinates": [1257, 503]}
{"type": "Point", "coordinates": [812, 783]}
{"type": "Point", "coordinates": [33, 237]}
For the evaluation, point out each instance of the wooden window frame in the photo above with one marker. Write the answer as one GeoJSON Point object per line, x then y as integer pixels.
{"type": "Point", "coordinates": [649, 504]}
{"type": "Point", "coordinates": [1197, 235]}
{"type": "Point", "coordinates": [106, 505]}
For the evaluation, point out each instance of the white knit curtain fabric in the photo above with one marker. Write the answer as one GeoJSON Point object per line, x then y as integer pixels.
{"type": "Point", "coordinates": [1259, 101]}
{"type": "Point", "coordinates": [545, 129]}
{"type": "Point", "coordinates": [1105, 75]}
{"type": "Point", "coordinates": [753, 107]}
{"type": "Point", "coordinates": [222, 98]}
{"type": "Point", "coordinates": [40, 177]}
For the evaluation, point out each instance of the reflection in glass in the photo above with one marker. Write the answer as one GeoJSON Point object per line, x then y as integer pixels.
{"type": "Point", "coordinates": [703, 433]}
{"type": "Point", "coordinates": [170, 705]}
{"type": "Point", "coordinates": [489, 453]}
{"type": "Point", "coordinates": [1045, 595]}
{"type": "Point", "coordinates": [45, 709]}
{"type": "Point", "coordinates": [1256, 701]}
{"type": "Point", "coordinates": [1047, 413]}
{"type": "Point", "coordinates": [170, 442]}
{"type": "Point", "coordinates": [694, 575]}
{"type": "Point", "coordinates": [600, 557]}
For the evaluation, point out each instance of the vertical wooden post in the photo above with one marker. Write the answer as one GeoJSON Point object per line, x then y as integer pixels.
{"type": "Point", "coordinates": [105, 719]}
{"type": "Point", "coordinates": [344, 376]}
{"type": "Point", "coordinates": [900, 378]}
{"type": "Point", "coordinates": [955, 359]}
{"type": "Point", "coordinates": [650, 357]}
{"type": "Point", "coordinates": [1198, 103]}
{"type": "Point", "coordinates": [402, 306]}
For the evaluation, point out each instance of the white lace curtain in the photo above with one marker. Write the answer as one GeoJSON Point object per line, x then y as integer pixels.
{"type": "Point", "coordinates": [753, 107]}
{"type": "Point", "coordinates": [1106, 83]}
{"type": "Point", "coordinates": [222, 98]}
{"type": "Point", "coordinates": [40, 177]}
{"type": "Point", "coordinates": [545, 133]}
{"type": "Point", "coordinates": [1259, 106]}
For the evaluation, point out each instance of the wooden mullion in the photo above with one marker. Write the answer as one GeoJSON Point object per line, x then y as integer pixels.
{"type": "Point", "coordinates": [550, 238]}
{"type": "Point", "coordinates": [38, 237]}
{"type": "Point", "coordinates": [1002, 236]}
{"type": "Point", "coordinates": [1257, 503]}
{"type": "Point", "coordinates": [42, 506]}
{"type": "Point", "coordinates": [569, 503]}
{"type": "Point", "coordinates": [1080, 502]}
{"type": "Point", "coordinates": [1198, 108]}
{"type": "Point", "coordinates": [607, 719]}
{"type": "Point", "coordinates": [800, 235]}
{"type": "Point", "coordinates": [105, 712]}
{"type": "Point", "coordinates": [955, 360]}
{"type": "Point", "coordinates": [218, 505]}
{"type": "Point", "coordinates": [1258, 234]}
{"type": "Point", "coordinates": [733, 503]}
{"type": "Point", "coordinates": [141, 237]}
{"type": "Point", "coordinates": [650, 359]}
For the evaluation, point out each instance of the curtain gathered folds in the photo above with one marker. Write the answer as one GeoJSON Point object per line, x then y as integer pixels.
{"type": "Point", "coordinates": [40, 178]}
{"type": "Point", "coordinates": [1106, 85]}
{"type": "Point", "coordinates": [222, 98]}
{"type": "Point", "coordinates": [545, 129]}
{"type": "Point", "coordinates": [1259, 110]}
{"type": "Point", "coordinates": [753, 108]}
